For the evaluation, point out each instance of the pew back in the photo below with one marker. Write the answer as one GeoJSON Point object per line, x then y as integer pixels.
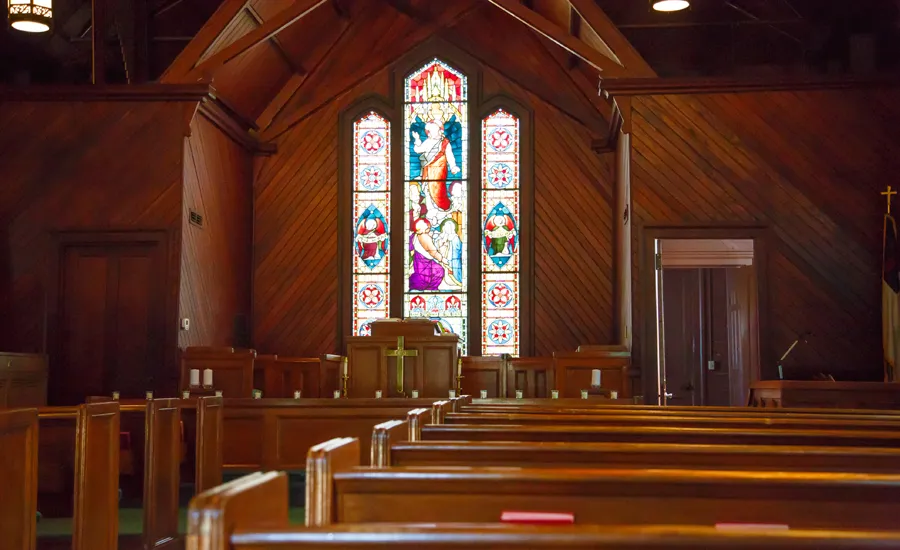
{"type": "Point", "coordinates": [18, 475]}
{"type": "Point", "coordinates": [208, 446]}
{"type": "Point", "coordinates": [280, 377]}
{"type": "Point", "coordinates": [232, 369]}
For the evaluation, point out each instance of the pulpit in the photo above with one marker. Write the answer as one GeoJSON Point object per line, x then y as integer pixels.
{"type": "Point", "coordinates": [402, 356]}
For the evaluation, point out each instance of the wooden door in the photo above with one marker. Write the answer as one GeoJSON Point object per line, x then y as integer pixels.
{"type": "Point", "coordinates": [683, 334]}
{"type": "Point", "coordinates": [110, 316]}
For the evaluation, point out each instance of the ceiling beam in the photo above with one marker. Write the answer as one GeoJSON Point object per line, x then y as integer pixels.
{"type": "Point", "coordinates": [189, 56]}
{"type": "Point", "coordinates": [552, 32]}
{"type": "Point", "coordinates": [98, 42]}
{"type": "Point", "coordinates": [279, 47]}
{"type": "Point", "coordinates": [574, 30]}
{"type": "Point", "coordinates": [277, 23]}
{"type": "Point", "coordinates": [602, 25]}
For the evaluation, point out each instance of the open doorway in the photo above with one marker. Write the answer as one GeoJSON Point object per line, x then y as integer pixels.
{"type": "Point", "coordinates": [702, 324]}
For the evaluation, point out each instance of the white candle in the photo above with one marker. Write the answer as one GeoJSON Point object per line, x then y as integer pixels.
{"type": "Point", "coordinates": [257, 394]}
{"type": "Point", "coordinates": [207, 377]}
{"type": "Point", "coordinates": [377, 394]}
{"type": "Point", "coordinates": [484, 394]}
{"type": "Point", "coordinates": [344, 365]}
{"type": "Point", "coordinates": [584, 394]}
{"type": "Point", "coordinates": [115, 396]}
{"type": "Point", "coordinates": [337, 394]}
{"type": "Point", "coordinates": [613, 395]}
{"type": "Point", "coordinates": [415, 394]}
{"type": "Point", "coordinates": [297, 394]}
{"type": "Point", "coordinates": [518, 394]}
{"type": "Point", "coordinates": [554, 394]}
{"type": "Point", "coordinates": [149, 395]}
{"type": "Point", "coordinates": [452, 394]}
{"type": "Point", "coordinates": [218, 393]}
{"type": "Point", "coordinates": [595, 378]}
{"type": "Point", "coordinates": [185, 394]}
{"type": "Point", "coordinates": [195, 377]}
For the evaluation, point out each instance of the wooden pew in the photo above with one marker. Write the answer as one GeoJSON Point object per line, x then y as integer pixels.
{"type": "Point", "coordinates": [280, 377]}
{"type": "Point", "coordinates": [640, 420]}
{"type": "Point", "coordinates": [485, 373]}
{"type": "Point", "coordinates": [394, 449]}
{"type": "Point", "coordinates": [573, 370]}
{"type": "Point", "coordinates": [276, 434]}
{"type": "Point", "coordinates": [18, 476]}
{"type": "Point", "coordinates": [252, 513]}
{"type": "Point", "coordinates": [533, 376]}
{"type": "Point", "coordinates": [161, 473]}
{"type": "Point", "coordinates": [697, 436]}
{"type": "Point", "coordinates": [339, 491]}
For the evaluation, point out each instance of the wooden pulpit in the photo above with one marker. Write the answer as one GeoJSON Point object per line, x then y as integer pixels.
{"type": "Point", "coordinates": [402, 356]}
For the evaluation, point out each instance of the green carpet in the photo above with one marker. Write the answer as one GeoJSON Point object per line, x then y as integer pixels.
{"type": "Point", "coordinates": [131, 522]}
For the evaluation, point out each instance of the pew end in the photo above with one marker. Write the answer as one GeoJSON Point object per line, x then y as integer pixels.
{"type": "Point", "coordinates": [392, 431]}
{"type": "Point", "coordinates": [255, 501]}
{"type": "Point", "coordinates": [323, 461]}
{"type": "Point", "coordinates": [18, 473]}
{"type": "Point", "coordinates": [415, 419]}
{"type": "Point", "coordinates": [439, 410]}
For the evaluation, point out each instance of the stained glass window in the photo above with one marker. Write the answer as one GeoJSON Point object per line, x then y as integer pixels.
{"type": "Point", "coordinates": [500, 234]}
{"type": "Point", "coordinates": [371, 221]}
{"type": "Point", "coordinates": [435, 194]}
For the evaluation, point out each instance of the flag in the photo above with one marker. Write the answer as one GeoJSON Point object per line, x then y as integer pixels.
{"type": "Point", "coordinates": [890, 300]}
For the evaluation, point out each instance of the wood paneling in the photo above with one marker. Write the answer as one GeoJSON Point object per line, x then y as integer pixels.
{"type": "Point", "coordinates": [215, 258]}
{"type": "Point", "coordinates": [94, 165]}
{"type": "Point", "coordinates": [809, 165]}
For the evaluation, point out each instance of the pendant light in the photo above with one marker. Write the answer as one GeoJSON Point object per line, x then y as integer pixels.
{"type": "Point", "coordinates": [30, 15]}
{"type": "Point", "coordinates": [670, 5]}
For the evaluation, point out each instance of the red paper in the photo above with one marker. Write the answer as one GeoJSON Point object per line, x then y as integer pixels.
{"type": "Point", "coordinates": [538, 518]}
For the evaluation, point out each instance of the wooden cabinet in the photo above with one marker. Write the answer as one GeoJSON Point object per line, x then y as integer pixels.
{"type": "Point", "coordinates": [23, 380]}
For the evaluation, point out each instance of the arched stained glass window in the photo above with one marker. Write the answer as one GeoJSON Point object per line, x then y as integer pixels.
{"type": "Point", "coordinates": [500, 258]}
{"type": "Point", "coordinates": [436, 181]}
{"type": "Point", "coordinates": [371, 200]}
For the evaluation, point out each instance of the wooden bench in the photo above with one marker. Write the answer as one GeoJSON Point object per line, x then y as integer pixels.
{"type": "Point", "coordinates": [252, 513]}
{"type": "Point", "coordinates": [276, 434]}
{"type": "Point", "coordinates": [639, 420]}
{"type": "Point", "coordinates": [340, 491]}
{"type": "Point", "coordinates": [652, 434]}
{"type": "Point", "coordinates": [18, 476]}
{"type": "Point", "coordinates": [314, 377]}
{"type": "Point", "coordinates": [232, 369]}
{"type": "Point", "coordinates": [616, 406]}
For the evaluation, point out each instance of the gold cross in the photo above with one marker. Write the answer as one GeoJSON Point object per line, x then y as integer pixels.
{"type": "Point", "coordinates": [401, 354]}
{"type": "Point", "coordinates": [888, 194]}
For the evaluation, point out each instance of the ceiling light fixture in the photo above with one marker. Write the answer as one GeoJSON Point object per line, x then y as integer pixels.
{"type": "Point", "coordinates": [30, 15]}
{"type": "Point", "coordinates": [670, 5]}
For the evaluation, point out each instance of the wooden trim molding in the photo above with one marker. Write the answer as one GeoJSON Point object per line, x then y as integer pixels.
{"type": "Point", "coordinates": [130, 92]}
{"type": "Point", "coordinates": [623, 87]}
{"type": "Point", "coordinates": [241, 132]}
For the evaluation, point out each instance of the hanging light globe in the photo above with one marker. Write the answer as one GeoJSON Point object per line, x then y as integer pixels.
{"type": "Point", "coordinates": [670, 5]}
{"type": "Point", "coordinates": [30, 15]}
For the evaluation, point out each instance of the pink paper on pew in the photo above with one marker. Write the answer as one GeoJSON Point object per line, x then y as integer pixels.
{"type": "Point", "coordinates": [538, 518]}
{"type": "Point", "coordinates": [751, 526]}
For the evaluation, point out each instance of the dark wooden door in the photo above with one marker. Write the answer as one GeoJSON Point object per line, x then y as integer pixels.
{"type": "Point", "coordinates": [110, 319]}
{"type": "Point", "coordinates": [683, 335]}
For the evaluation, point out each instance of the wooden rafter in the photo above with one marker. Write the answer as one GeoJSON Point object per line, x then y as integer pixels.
{"type": "Point", "coordinates": [635, 65]}
{"type": "Point", "coordinates": [561, 37]}
{"type": "Point", "coordinates": [195, 49]}
{"type": "Point", "coordinates": [279, 47]}
{"type": "Point", "coordinates": [275, 24]}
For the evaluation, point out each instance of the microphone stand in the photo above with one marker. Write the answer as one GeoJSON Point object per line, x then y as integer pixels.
{"type": "Point", "coordinates": [788, 352]}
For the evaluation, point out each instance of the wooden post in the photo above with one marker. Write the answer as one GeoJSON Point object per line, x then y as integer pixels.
{"type": "Point", "coordinates": [622, 259]}
{"type": "Point", "coordinates": [98, 50]}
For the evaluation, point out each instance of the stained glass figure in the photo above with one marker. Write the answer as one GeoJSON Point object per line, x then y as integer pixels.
{"type": "Point", "coordinates": [436, 127]}
{"type": "Point", "coordinates": [371, 199]}
{"type": "Point", "coordinates": [500, 234]}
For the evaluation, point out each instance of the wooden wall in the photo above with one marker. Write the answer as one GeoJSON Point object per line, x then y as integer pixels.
{"type": "Point", "coordinates": [809, 166]}
{"type": "Point", "coordinates": [295, 292]}
{"type": "Point", "coordinates": [96, 165]}
{"type": "Point", "coordinates": [215, 257]}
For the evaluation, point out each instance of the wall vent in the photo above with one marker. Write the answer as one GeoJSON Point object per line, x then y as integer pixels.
{"type": "Point", "coordinates": [196, 219]}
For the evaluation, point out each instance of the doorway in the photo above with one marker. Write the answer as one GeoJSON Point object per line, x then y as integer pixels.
{"type": "Point", "coordinates": [106, 315]}
{"type": "Point", "coordinates": [703, 316]}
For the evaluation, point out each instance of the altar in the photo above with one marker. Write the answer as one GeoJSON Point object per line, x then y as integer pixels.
{"type": "Point", "coordinates": [400, 357]}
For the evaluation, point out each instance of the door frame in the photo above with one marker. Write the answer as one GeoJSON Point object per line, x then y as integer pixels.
{"type": "Point", "coordinates": [647, 234]}
{"type": "Point", "coordinates": [64, 238]}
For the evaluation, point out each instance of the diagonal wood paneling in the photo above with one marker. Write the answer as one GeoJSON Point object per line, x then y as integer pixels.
{"type": "Point", "coordinates": [88, 166]}
{"type": "Point", "coordinates": [215, 258]}
{"type": "Point", "coordinates": [810, 166]}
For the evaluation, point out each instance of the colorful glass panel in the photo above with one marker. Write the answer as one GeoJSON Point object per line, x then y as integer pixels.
{"type": "Point", "coordinates": [500, 234]}
{"type": "Point", "coordinates": [372, 221]}
{"type": "Point", "coordinates": [436, 164]}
